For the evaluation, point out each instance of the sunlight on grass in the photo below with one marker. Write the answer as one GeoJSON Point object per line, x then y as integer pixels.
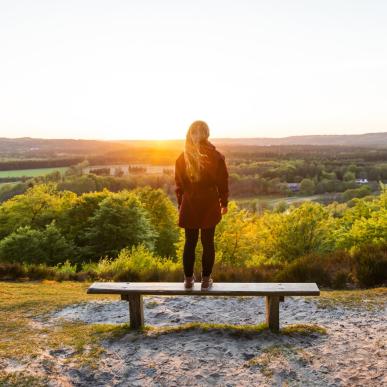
{"type": "Point", "coordinates": [238, 330]}
{"type": "Point", "coordinates": [303, 329]}
{"type": "Point", "coordinates": [359, 298]}
{"type": "Point", "coordinates": [207, 327]}
{"type": "Point", "coordinates": [23, 310]}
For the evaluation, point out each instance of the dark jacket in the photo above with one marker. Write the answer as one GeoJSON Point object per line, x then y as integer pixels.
{"type": "Point", "coordinates": [199, 202]}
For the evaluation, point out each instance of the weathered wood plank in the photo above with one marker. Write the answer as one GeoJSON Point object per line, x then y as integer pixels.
{"type": "Point", "coordinates": [272, 313]}
{"type": "Point", "coordinates": [218, 288]}
{"type": "Point", "coordinates": [136, 311]}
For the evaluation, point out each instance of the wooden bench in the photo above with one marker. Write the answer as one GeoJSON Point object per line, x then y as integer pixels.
{"type": "Point", "coordinates": [274, 293]}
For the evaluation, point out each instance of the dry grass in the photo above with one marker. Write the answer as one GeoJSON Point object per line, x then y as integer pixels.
{"type": "Point", "coordinates": [359, 298]}
{"type": "Point", "coordinates": [23, 331]}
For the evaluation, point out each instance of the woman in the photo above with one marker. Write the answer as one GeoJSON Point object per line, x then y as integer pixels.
{"type": "Point", "coordinates": [201, 178]}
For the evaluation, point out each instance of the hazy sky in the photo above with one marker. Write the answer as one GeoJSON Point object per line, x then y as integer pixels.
{"type": "Point", "coordinates": [146, 69]}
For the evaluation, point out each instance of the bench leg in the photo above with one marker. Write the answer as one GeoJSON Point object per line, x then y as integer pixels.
{"type": "Point", "coordinates": [136, 311]}
{"type": "Point", "coordinates": [272, 312]}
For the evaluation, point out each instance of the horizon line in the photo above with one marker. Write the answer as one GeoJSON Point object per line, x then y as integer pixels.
{"type": "Point", "coordinates": [183, 138]}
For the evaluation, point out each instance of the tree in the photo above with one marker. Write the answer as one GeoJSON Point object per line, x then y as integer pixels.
{"type": "Point", "coordinates": [348, 176]}
{"type": "Point", "coordinates": [37, 207]}
{"type": "Point", "coordinates": [163, 216]}
{"type": "Point", "coordinates": [235, 238]}
{"type": "Point", "coordinates": [26, 245]}
{"type": "Point", "coordinates": [287, 236]}
{"type": "Point", "coordinates": [120, 221]}
{"type": "Point", "coordinates": [307, 187]}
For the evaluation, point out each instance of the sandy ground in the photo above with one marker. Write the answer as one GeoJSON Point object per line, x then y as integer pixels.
{"type": "Point", "coordinates": [352, 353]}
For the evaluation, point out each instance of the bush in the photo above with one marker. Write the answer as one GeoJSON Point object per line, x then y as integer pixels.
{"type": "Point", "coordinates": [138, 264]}
{"type": "Point", "coordinates": [66, 271]}
{"type": "Point", "coordinates": [331, 270]}
{"type": "Point", "coordinates": [371, 265]}
{"type": "Point", "coordinates": [261, 273]}
{"type": "Point", "coordinates": [26, 245]}
{"type": "Point", "coordinates": [11, 271]}
{"type": "Point", "coordinates": [39, 272]}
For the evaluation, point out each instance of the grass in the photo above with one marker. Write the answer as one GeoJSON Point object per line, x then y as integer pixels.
{"type": "Point", "coordinates": [246, 330]}
{"type": "Point", "coordinates": [23, 307]}
{"type": "Point", "coordinates": [268, 359]}
{"type": "Point", "coordinates": [31, 172]}
{"type": "Point", "coordinates": [360, 298]}
{"type": "Point", "coordinates": [21, 379]}
{"type": "Point", "coordinates": [303, 329]}
{"type": "Point", "coordinates": [268, 356]}
{"type": "Point", "coordinates": [238, 330]}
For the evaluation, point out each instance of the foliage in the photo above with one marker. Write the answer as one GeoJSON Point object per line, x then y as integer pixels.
{"type": "Point", "coordinates": [120, 221]}
{"type": "Point", "coordinates": [36, 208]}
{"type": "Point", "coordinates": [332, 270]}
{"type": "Point", "coordinates": [363, 224]}
{"type": "Point", "coordinates": [286, 236]}
{"type": "Point", "coordinates": [138, 263]}
{"type": "Point", "coordinates": [48, 233]}
{"type": "Point", "coordinates": [371, 265]}
{"type": "Point", "coordinates": [163, 216]}
{"type": "Point", "coordinates": [307, 186]}
{"type": "Point", "coordinates": [28, 245]}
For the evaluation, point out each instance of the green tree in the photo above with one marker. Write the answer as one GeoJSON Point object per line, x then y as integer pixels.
{"type": "Point", "coordinates": [307, 187]}
{"type": "Point", "coordinates": [348, 176]}
{"type": "Point", "coordinates": [163, 216]}
{"type": "Point", "coordinates": [36, 208]}
{"type": "Point", "coordinates": [120, 221]}
{"type": "Point", "coordinates": [303, 230]}
{"type": "Point", "coordinates": [26, 245]}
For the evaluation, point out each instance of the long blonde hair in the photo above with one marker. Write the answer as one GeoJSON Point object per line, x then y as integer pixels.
{"type": "Point", "coordinates": [197, 133]}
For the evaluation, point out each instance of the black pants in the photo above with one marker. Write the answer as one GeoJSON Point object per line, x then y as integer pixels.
{"type": "Point", "coordinates": [208, 257]}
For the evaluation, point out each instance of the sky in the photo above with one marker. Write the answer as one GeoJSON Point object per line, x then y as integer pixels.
{"type": "Point", "coordinates": [145, 69]}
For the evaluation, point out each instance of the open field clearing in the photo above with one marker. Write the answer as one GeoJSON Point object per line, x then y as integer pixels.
{"type": "Point", "coordinates": [31, 172]}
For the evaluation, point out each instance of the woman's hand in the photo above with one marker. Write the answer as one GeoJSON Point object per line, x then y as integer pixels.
{"type": "Point", "coordinates": [223, 210]}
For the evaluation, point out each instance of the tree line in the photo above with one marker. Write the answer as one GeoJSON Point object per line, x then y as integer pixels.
{"type": "Point", "coordinates": [116, 232]}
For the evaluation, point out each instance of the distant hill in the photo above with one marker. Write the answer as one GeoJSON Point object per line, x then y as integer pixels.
{"type": "Point", "coordinates": [33, 145]}
{"type": "Point", "coordinates": [372, 140]}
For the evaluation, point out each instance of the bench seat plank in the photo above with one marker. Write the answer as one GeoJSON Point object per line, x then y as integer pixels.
{"type": "Point", "coordinates": [218, 288]}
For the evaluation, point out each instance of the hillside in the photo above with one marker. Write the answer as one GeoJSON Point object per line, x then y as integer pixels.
{"type": "Point", "coordinates": [363, 140]}
{"type": "Point", "coordinates": [27, 146]}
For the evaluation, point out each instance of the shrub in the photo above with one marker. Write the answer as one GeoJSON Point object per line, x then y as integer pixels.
{"type": "Point", "coordinates": [39, 272]}
{"type": "Point", "coordinates": [26, 245]}
{"type": "Point", "coordinates": [371, 265]}
{"type": "Point", "coordinates": [138, 263]}
{"type": "Point", "coordinates": [11, 271]}
{"type": "Point", "coordinates": [331, 270]}
{"type": "Point", "coordinates": [65, 271]}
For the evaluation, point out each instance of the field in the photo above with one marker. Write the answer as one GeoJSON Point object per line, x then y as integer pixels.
{"type": "Point", "coordinates": [149, 168]}
{"type": "Point", "coordinates": [270, 201]}
{"type": "Point", "coordinates": [31, 172]}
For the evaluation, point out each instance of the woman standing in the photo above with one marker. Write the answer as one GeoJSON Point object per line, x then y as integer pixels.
{"type": "Point", "coordinates": [201, 178]}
